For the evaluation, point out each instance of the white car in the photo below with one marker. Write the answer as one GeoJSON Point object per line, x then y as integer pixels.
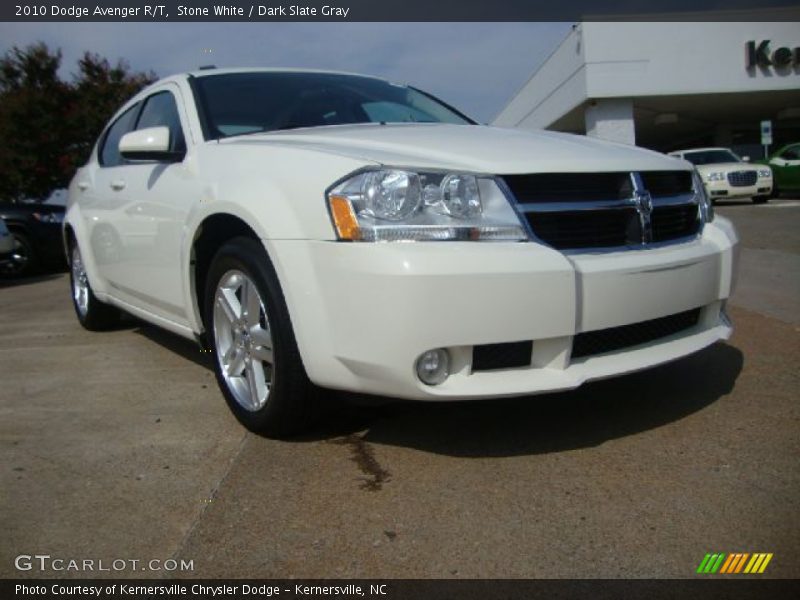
{"type": "Point", "coordinates": [325, 230]}
{"type": "Point", "coordinates": [728, 176]}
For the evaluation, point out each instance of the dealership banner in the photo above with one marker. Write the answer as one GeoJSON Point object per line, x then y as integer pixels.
{"type": "Point", "coordinates": [402, 10]}
{"type": "Point", "coordinates": [403, 589]}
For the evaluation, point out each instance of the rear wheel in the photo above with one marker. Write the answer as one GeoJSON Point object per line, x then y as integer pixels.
{"type": "Point", "coordinates": [92, 314]}
{"type": "Point", "coordinates": [256, 360]}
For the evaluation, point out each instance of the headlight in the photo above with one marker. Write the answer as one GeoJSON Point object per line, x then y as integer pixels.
{"type": "Point", "coordinates": [715, 176]}
{"type": "Point", "coordinates": [48, 217]}
{"type": "Point", "coordinates": [764, 173]}
{"type": "Point", "coordinates": [401, 205]}
{"type": "Point", "coordinates": [706, 206]}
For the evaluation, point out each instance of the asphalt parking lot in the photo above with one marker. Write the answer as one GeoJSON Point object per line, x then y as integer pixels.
{"type": "Point", "coordinates": [119, 446]}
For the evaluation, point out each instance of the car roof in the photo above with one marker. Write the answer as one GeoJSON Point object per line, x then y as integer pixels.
{"type": "Point", "coordinates": [701, 149]}
{"type": "Point", "coordinates": [209, 71]}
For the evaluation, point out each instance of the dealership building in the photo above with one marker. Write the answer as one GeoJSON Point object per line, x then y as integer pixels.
{"type": "Point", "coordinates": [668, 85]}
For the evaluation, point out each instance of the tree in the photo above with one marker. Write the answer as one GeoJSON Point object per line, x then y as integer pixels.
{"type": "Point", "coordinates": [101, 89]}
{"type": "Point", "coordinates": [48, 126]}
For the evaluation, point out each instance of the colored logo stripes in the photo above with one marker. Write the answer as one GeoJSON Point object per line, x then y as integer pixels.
{"type": "Point", "coordinates": [739, 562]}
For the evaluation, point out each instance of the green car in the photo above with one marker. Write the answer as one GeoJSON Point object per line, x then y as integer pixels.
{"type": "Point", "coordinates": [785, 165]}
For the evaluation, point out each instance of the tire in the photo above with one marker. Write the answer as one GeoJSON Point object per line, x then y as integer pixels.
{"type": "Point", "coordinates": [258, 366]}
{"type": "Point", "coordinates": [760, 199]}
{"type": "Point", "coordinates": [775, 191]}
{"type": "Point", "coordinates": [92, 314]}
{"type": "Point", "coordinates": [25, 259]}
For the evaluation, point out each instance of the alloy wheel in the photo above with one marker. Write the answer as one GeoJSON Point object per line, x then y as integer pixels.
{"type": "Point", "coordinates": [80, 283]}
{"type": "Point", "coordinates": [243, 340]}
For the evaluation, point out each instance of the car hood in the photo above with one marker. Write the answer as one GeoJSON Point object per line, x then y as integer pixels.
{"type": "Point", "coordinates": [468, 147]}
{"type": "Point", "coordinates": [729, 166]}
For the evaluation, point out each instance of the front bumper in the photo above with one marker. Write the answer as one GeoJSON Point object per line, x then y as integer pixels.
{"type": "Point", "coordinates": [722, 189]}
{"type": "Point", "coordinates": [363, 313]}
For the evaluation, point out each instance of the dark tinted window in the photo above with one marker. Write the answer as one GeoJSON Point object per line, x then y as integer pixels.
{"type": "Point", "coordinates": [109, 152]}
{"type": "Point", "coordinates": [160, 110]}
{"type": "Point", "coordinates": [711, 157]}
{"type": "Point", "coordinates": [791, 153]}
{"type": "Point", "coordinates": [238, 103]}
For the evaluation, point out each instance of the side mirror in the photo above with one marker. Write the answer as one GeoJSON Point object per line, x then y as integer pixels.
{"type": "Point", "coordinates": [151, 143]}
{"type": "Point", "coordinates": [745, 159]}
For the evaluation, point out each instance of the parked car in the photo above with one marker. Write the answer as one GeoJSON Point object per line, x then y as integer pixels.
{"type": "Point", "coordinates": [728, 176]}
{"type": "Point", "coordinates": [785, 165]}
{"type": "Point", "coordinates": [36, 229]}
{"type": "Point", "coordinates": [325, 230]}
{"type": "Point", "coordinates": [6, 245]}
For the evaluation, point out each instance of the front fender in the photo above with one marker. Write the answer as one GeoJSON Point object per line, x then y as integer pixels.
{"type": "Point", "coordinates": [277, 191]}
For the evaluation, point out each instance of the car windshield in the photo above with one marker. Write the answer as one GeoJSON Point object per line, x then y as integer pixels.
{"type": "Point", "coordinates": [710, 157]}
{"type": "Point", "coordinates": [243, 103]}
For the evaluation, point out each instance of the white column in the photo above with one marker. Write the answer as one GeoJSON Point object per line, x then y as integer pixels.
{"type": "Point", "coordinates": [611, 119]}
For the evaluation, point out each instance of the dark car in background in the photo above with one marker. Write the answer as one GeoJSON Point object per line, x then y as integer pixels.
{"type": "Point", "coordinates": [36, 231]}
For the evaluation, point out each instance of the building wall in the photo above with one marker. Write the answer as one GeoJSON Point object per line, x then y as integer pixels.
{"type": "Point", "coordinates": [556, 88]}
{"type": "Point", "coordinates": [599, 60]}
{"type": "Point", "coordinates": [646, 59]}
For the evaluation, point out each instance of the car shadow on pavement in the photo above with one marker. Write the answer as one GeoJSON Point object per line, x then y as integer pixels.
{"type": "Point", "coordinates": [173, 342]}
{"type": "Point", "coordinates": [582, 418]}
{"type": "Point", "coordinates": [586, 417]}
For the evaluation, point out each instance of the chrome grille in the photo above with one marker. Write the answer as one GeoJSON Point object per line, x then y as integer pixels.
{"type": "Point", "coordinates": [674, 222]}
{"type": "Point", "coordinates": [607, 210]}
{"type": "Point", "coordinates": [742, 178]}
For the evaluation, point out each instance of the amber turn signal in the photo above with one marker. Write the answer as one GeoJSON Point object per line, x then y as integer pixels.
{"type": "Point", "coordinates": [344, 218]}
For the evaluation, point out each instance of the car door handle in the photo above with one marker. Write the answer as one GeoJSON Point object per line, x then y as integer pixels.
{"type": "Point", "coordinates": [118, 185]}
{"type": "Point", "coordinates": [83, 186]}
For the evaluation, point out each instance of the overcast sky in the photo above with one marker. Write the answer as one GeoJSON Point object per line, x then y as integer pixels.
{"type": "Point", "coordinates": [477, 67]}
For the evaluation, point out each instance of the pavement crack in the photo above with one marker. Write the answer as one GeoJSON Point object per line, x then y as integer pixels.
{"type": "Point", "coordinates": [199, 517]}
{"type": "Point", "coordinates": [362, 455]}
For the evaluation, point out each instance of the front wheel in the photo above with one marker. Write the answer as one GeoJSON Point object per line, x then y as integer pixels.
{"type": "Point", "coordinates": [256, 360]}
{"type": "Point", "coordinates": [760, 199]}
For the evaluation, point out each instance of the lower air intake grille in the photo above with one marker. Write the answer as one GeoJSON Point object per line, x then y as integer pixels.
{"type": "Point", "coordinates": [486, 357]}
{"type": "Point", "coordinates": [616, 338]}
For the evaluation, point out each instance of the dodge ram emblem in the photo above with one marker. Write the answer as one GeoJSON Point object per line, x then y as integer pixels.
{"type": "Point", "coordinates": [644, 208]}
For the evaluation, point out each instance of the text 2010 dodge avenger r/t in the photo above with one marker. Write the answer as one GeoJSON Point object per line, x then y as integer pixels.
{"type": "Point", "coordinates": [326, 230]}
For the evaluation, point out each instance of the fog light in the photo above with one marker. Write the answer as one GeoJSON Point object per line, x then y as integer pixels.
{"type": "Point", "coordinates": [433, 366]}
